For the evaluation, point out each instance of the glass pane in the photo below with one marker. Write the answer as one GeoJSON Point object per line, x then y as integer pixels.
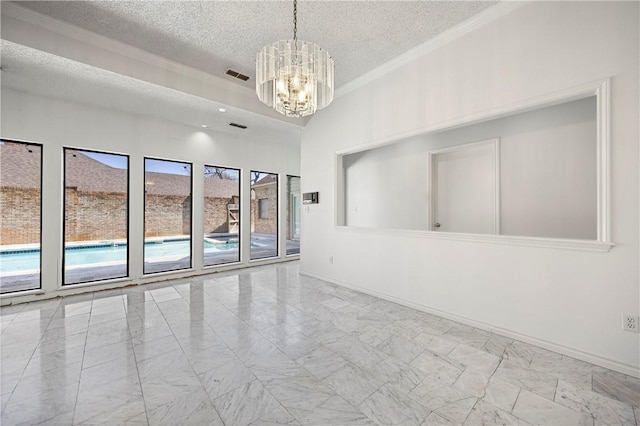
{"type": "Point", "coordinates": [96, 199]}
{"type": "Point", "coordinates": [221, 215]}
{"type": "Point", "coordinates": [264, 215]}
{"type": "Point", "coordinates": [167, 215]}
{"type": "Point", "coordinates": [293, 215]}
{"type": "Point", "coordinates": [20, 204]}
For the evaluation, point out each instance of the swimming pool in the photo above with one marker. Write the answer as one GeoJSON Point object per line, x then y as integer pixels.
{"type": "Point", "coordinates": [106, 253]}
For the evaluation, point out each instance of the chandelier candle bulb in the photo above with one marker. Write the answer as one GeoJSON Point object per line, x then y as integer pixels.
{"type": "Point", "coordinates": [294, 77]}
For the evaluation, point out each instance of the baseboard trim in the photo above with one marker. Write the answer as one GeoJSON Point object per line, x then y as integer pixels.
{"type": "Point", "coordinates": [627, 369]}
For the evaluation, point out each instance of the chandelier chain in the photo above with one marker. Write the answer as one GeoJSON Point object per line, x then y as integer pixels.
{"type": "Point", "coordinates": [295, 21]}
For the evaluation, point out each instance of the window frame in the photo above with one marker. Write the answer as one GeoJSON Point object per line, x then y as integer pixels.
{"type": "Point", "coordinates": [277, 216]}
{"type": "Point", "coordinates": [64, 215]}
{"type": "Point", "coordinates": [289, 210]}
{"type": "Point", "coordinates": [240, 217]}
{"type": "Point", "coordinates": [40, 217]}
{"type": "Point", "coordinates": [144, 215]}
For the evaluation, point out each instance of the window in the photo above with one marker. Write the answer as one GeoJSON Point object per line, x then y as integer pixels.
{"type": "Point", "coordinates": [264, 215]}
{"type": "Point", "coordinates": [293, 214]}
{"type": "Point", "coordinates": [167, 215]}
{"type": "Point", "coordinates": [263, 208]}
{"type": "Point", "coordinates": [20, 213]}
{"type": "Point", "coordinates": [221, 215]}
{"type": "Point", "coordinates": [96, 216]}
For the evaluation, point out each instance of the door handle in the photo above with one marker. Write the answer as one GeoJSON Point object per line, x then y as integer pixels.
{"type": "Point", "coordinates": [436, 225]}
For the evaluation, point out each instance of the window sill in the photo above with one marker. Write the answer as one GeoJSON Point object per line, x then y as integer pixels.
{"type": "Point", "coordinates": [93, 283]}
{"type": "Point", "coordinates": [20, 293]}
{"type": "Point", "coordinates": [559, 243]}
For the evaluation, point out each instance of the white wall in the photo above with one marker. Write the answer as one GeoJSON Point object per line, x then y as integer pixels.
{"type": "Point", "coordinates": [547, 166]}
{"type": "Point", "coordinates": [56, 123]}
{"type": "Point", "coordinates": [564, 299]}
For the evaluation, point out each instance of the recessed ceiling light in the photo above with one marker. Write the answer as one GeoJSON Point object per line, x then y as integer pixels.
{"type": "Point", "coordinates": [222, 110]}
{"type": "Point", "coordinates": [204, 126]}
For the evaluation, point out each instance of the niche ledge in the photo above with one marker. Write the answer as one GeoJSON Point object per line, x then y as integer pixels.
{"type": "Point", "coordinates": [558, 243]}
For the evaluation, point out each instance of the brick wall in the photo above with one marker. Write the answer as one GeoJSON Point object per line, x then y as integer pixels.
{"type": "Point", "coordinates": [215, 214]}
{"type": "Point", "coordinates": [269, 224]}
{"type": "Point", "coordinates": [167, 215]}
{"type": "Point", "coordinates": [103, 215]}
{"type": "Point", "coordinates": [95, 215]}
{"type": "Point", "coordinates": [19, 215]}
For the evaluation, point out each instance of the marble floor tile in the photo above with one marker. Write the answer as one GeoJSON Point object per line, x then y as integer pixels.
{"type": "Point", "coordinates": [189, 408]}
{"type": "Point", "coordinates": [157, 347]}
{"type": "Point", "coordinates": [357, 352]}
{"type": "Point", "coordinates": [400, 347]}
{"type": "Point", "coordinates": [436, 344]}
{"type": "Point", "coordinates": [437, 419]}
{"type": "Point", "coordinates": [539, 382]}
{"type": "Point", "coordinates": [203, 360]}
{"type": "Point", "coordinates": [519, 353]}
{"type": "Point", "coordinates": [278, 366]}
{"type": "Point", "coordinates": [146, 334]}
{"type": "Point", "coordinates": [353, 383]}
{"type": "Point", "coordinates": [501, 394]}
{"type": "Point", "coordinates": [537, 410]}
{"type": "Point", "coordinates": [109, 389]}
{"type": "Point", "coordinates": [107, 353]}
{"type": "Point", "coordinates": [8, 382]}
{"type": "Point", "coordinates": [445, 400]}
{"type": "Point", "coordinates": [334, 411]}
{"type": "Point", "coordinates": [623, 389]}
{"type": "Point", "coordinates": [474, 358]}
{"type": "Point", "coordinates": [486, 414]}
{"type": "Point", "coordinates": [52, 361]}
{"type": "Point", "coordinates": [438, 367]}
{"type": "Point", "coordinates": [227, 376]}
{"type": "Point", "coordinates": [73, 324]}
{"type": "Point", "coordinates": [300, 393]}
{"type": "Point", "coordinates": [46, 381]}
{"type": "Point", "coordinates": [474, 382]}
{"type": "Point", "coordinates": [388, 406]}
{"type": "Point", "coordinates": [13, 361]}
{"type": "Point", "coordinates": [398, 374]}
{"type": "Point", "coordinates": [267, 346]}
{"type": "Point", "coordinates": [496, 345]}
{"type": "Point", "coordinates": [54, 407]}
{"type": "Point", "coordinates": [322, 362]}
{"type": "Point", "coordinates": [468, 335]}
{"type": "Point", "coordinates": [603, 409]}
{"type": "Point", "coordinates": [69, 343]}
{"type": "Point", "coordinates": [251, 403]}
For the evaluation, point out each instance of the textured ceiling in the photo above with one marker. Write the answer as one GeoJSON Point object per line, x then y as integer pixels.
{"type": "Point", "coordinates": [38, 72]}
{"type": "Point", "coordinates": [215, 35]}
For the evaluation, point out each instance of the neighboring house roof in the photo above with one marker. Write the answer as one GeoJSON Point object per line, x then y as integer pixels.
{"type": "Point", "coordinates": [20, 168]}
{"type": "Point", "coordinates": [266, 180]}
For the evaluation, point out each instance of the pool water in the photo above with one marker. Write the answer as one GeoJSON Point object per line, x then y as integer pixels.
{"type": "Point", "coordinates": [107, 254]}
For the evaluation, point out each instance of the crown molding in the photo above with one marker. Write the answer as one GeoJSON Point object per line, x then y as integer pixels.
{"type": "Point", "coordinates": [483, 18]}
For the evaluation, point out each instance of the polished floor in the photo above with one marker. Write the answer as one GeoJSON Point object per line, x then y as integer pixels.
{"type": "Point", "coordinates": [267, 346]}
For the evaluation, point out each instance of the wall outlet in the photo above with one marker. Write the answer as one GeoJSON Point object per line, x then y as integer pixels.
{"type": "Point", "coordinates": [630, 322]}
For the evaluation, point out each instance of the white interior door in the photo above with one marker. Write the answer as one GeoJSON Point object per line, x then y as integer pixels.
{"type": "Point", "coordinates": [465, 188]}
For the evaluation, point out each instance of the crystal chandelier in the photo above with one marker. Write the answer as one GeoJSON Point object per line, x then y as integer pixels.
{"type": "Point", "coordinates": [294, 77]}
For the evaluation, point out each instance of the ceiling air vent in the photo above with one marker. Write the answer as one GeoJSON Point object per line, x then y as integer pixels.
{"type": "Point", "coordinates": [237, 75]}
{"type": "Point", "coordinates": [239, 126]}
